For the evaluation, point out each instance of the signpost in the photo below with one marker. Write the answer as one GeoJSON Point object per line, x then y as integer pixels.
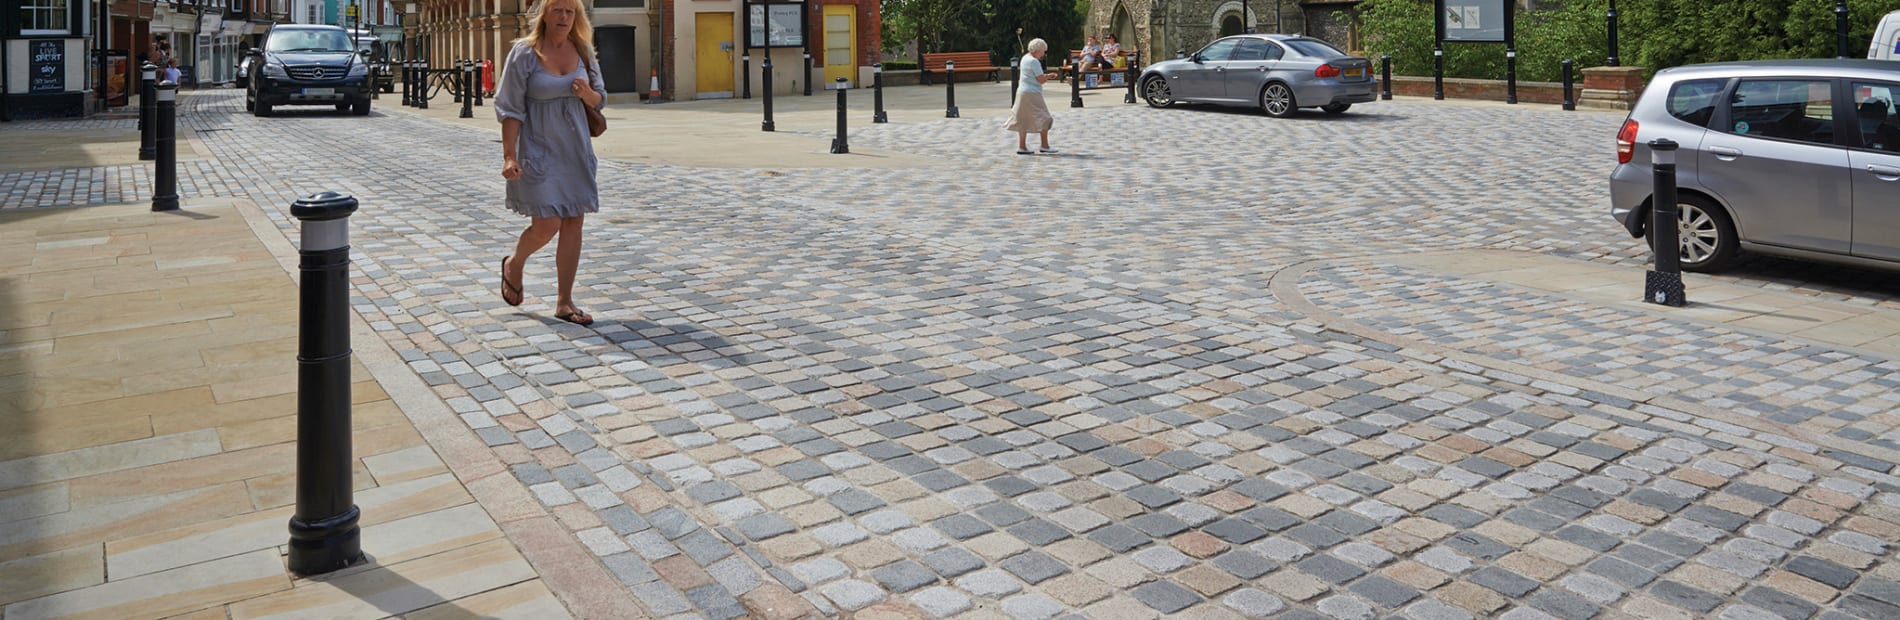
{"type": "Point", "coordinates": [771, 24]}
{"type": "Point", "coordinates": [1476, 21]}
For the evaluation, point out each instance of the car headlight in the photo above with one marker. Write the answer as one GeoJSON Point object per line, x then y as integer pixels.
{"type": "Point", "coordinates": [358, 69]}
{"type": "Point", "coordinates": [274, 70]}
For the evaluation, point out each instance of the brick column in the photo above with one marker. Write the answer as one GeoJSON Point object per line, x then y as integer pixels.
{"type": "Point", "coordinates": [1611, 88]}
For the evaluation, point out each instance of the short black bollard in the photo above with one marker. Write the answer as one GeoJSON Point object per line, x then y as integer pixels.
{"type": "Point", "coordinates": [950, 89]}
{"type": "Point", "coordinates": [765, 81]}
{"type": "Point", "coordinates": [1611, 16]}
{"type": "Point", "coordinates": [1385, 77]}
{"type": "Point", "coordinates": [148, 147]}
{"type": "Point", "coordinates": [877, 86]}
{"type": "Point", "coordinates": [1510, 76]}
{"type": "Point", "coordinates": [1570, 84]}
{"type": "Point", "coordinates": [323, 531]}
{"type": "Point", "coordinates": [455, 88]}
{"type": "Point", "coordinates": [745, 74]}
{"type": "Point", "coordinates": [408, 81]}
{"type": "Point", "coordinates": [1075, 88]}
{"type": "Point", "coordinates": [839, 146]}
{"type": "Point", "coordinates": [1663, 284]}
{"type": "Point", "coordinates": [422, 96]}
{"type": "Point", "coordinates": [468, 99]}
{"type": "Point", "coordinates": [164, 122]}
{"type": "Point", "coordinates": [1438, 73]}
{"type": "Point", "coordinates": [1840, 28]}
{"type": "Point", "coordinates": [1015, 79]}
{"type": "Point", "coordinates": [476, 84]}
{"type": "Point", "coordinates": [1134, 59]}
{"type": "Point", "coordinates": [1180, 53]}
{"type": "Point", "coordinates": [807, 72]}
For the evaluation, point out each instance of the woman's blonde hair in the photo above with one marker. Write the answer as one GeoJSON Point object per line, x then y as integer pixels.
{"type": "Point", "coordinates": [1038, 45]}
{"type": "Point", "coordinates": [582, 34]}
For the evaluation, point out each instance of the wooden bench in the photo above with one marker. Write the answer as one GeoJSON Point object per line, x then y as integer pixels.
{"type": "Point", "coordinates": [1072, 63]}
{"type": "Point", "coordinates": [967, 63]}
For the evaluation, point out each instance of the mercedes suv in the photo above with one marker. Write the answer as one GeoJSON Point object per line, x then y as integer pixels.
{"type": "Point", "coordinates": [304, 64]}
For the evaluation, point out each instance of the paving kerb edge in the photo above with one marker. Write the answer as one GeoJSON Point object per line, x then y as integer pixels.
{"type": "Point", "coordinates": [1285, 286]}
{"type": "Point", "coordinates": [463, 453]}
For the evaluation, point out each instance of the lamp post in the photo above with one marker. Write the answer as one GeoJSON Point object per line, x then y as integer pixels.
{"type": "Point", "coordinates": [1246, 24]}
{"type": "Point", "coordinates": [1840, 28]}
{"type": "Point", "coordinates": [99, 38]}
{"type": "Point", "coordinates": [1612, 17]}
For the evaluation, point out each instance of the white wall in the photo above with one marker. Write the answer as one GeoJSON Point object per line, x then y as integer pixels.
{"type": "Point", "coordinates": [18, 63]}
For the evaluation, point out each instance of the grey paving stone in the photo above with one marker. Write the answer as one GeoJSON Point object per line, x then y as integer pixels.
{"type": "Point", "coordinates": [671, 522]}
{"type": "Point", "coordinates": [1315, 536]}
{"type": "Point", "coordinates": [989, 583]}
{"type": "Point", "coordinates": [1454, 516]}
{"type": "Point", "coordinates": [1119, 538]}
{"type": "Point", "coordinates": [703, 547]}
{"type": "Point", "coordinates": [1478, 546]}
{"type": "Point", "coordinates": [1038, 533]}
{"type": "Point", "coordinates": [1780, 603]}
{"type": "Point", "coordinates": [1503, 581]}
{"type": "Point", "coordinates": [629, 568]}
{"type": "Point", "coordinates": [764, 526]}
{"type": "Point", "coordinates": [1630, 575]}
{"type": "Point", "coordinates": [1684, 596]}
{"type": "Point", "coordinates": [1384, 592]}
{"type": "Point", "coordinates": [1002, 514]}
{"type": "Point", "coordinates": [1165, 596]}
{"type": "Point", "coordinates": [1033, 566]}
{"type": "Point", "coordinates": [952, 562]}
{"type": "Point", "coordinates": [1244, 564]}
{"type": "Point", "coordinates": [1587, 538]}
{"type": "Point", "coordinates": [904, 576]}
{"type": "Point", "coordinates": [661, 598]}
{"type": "Point", "coordinates": [961, 527]}
{"type": "Point", "coordinates": [1563, 605]}
{"type": "Point", "coordinates": [1235, 531]}
{"type": "Point", "coordinates": [1032, 607]}
{"type": "Point", "coordinates": [1329, 569]}
{"type": "Point", "coordinates": [851, 594]}
{"type": "Point", "coordinates": [855, 501]}
{"type": "Point", "coordinates": [1717, 517]}
{"type": "Point", "coordinates": [1345, 607]}
{"type": "Point", "coordinates": [1158, 525]}
{"type": "Point", "coordinates": [941, 601]}
{"type": "Point", "coordinates": [1271, 518]}
{"type": "Point", "coordinates": [1823, 571]}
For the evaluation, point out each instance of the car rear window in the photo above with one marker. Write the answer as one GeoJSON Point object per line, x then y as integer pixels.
{"type": "Point", "coordinates": [1313, 47]}
{"type": "Point", "coordinates": [1693, 101]}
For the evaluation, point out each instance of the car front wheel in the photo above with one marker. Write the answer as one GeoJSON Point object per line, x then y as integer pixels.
{"type": "Point", "coordinates": [1277, 100]}
{"type": "Point", "coordinates": [1706, 235]}
{"type": "Point", "coordinates": [361, 108]}
{"type": "Point", "coordinates": [262, 109]}
{"type": "Point", "coordinates": [1156, 92]}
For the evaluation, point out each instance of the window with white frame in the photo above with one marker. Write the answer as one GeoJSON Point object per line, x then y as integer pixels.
{"type": "Point", "coordinates": [315, 18]}
{"type": "Point", "coordinates": [45, 17]}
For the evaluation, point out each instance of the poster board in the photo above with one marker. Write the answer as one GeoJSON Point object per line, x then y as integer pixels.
{"type": "Point", "coordinates": [775, 24]}
{"type": "Point", "coordinates": [46, 65]}
{"type": "Point", "coordinates": [1473, 21]}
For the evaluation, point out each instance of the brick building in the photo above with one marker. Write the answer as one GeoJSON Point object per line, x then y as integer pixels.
{"type": "Point", "coordinates": [1171, 26]}
{"type": "Point", "coordinates": [700, 50]}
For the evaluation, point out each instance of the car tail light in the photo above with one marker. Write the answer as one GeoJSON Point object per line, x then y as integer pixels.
{"type": "Point", "coordinates": [1326, 71]}
{"type": "Point", "coordinates": [1626, 142]}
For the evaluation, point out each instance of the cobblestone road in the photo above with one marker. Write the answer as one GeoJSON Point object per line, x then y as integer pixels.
{"type": "Point", "coordinates": [1163, 373]}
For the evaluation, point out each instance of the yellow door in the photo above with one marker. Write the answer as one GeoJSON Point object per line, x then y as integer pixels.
{"type": "Point", "coordinates": [841, 43]}
{"type": "Point", "coordinates": [713, 31]}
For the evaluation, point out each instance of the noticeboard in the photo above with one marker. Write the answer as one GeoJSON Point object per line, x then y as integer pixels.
{"type": "Point", "coordinates": [775, 24]}
{"type": "Point", "coordinates": [46, 63]}
{"type": "Point", "coordinates": [1473, 21]}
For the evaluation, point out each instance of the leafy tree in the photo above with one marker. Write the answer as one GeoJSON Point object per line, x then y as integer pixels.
{"type": "Point", "coordinates": [928, 22]}
{"type": "Point", "coordinates": [989, 25]}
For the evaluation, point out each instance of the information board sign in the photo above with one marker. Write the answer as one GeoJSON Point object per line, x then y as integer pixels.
{"type": "Point", "coordinates": [775, 24]}
{"type": "Point", "coordinates": [1473, 21]}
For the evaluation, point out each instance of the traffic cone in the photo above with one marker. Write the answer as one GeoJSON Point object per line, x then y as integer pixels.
{"type": "Point", "coordinates": [653, 92]}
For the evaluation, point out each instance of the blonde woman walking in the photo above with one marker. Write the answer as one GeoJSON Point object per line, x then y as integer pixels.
{"type": "Point", "coordinates": [1030, 114]}
{"type": "Point", "coordinates": [547, 153]}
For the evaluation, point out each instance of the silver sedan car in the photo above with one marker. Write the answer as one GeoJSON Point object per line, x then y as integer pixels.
{"type": "Point", "coordinates": [1797, 158]}
{"type": "Point", "coordinates": [1278, 73]}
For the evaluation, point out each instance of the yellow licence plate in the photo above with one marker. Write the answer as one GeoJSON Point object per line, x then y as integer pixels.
{"type": "Point", "coordinates": [1355, 72]}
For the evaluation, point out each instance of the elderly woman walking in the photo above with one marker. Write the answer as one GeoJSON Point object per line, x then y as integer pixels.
{"type": "Point", "coordinates": [547, 152]}
{"type": "Point", "coordinates": [1030, 113]}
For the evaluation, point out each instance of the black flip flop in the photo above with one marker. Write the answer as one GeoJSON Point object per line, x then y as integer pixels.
{"type": "Point", "coordinates": [577, 317]}
{"type": "Point", "coordinates": [506, 286]}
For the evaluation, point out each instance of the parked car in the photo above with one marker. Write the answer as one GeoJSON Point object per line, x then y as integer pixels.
{"type": "Point", "coordinates": [308, 64]}
{"type": "Point", "coordinates": [1798, 158]}
{"type": "Point", "coordinates": [1886, 42]}
{"type": "Point", "coordinates": [1277, 73]}
{"type": "Point", "coordinates": [244, 70]}
{"type": "Point", "coordinates": [380, 73]}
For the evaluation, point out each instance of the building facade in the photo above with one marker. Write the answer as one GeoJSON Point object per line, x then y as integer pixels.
{"type": "Point", "coordinates": [1163, 29]}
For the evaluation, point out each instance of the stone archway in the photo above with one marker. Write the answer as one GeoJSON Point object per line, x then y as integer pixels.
{"type": "Point", "coordinates": [1123, 26]}
{"type": "Point", "coordinates": [1230, 25]}
{"type": "Point", "coordinates": [1231, 11]}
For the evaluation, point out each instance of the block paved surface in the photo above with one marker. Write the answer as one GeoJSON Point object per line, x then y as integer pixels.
{"type": "Point", "coordinates": [1157, 374]}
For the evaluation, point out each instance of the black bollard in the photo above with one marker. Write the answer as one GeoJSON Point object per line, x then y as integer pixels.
{"type": "Point", "coordinates": [1180, 53]}
{"type": "Point", "coordinates": [476, 84]}
{"type": "Point", "coordinates": [164, 122]}
{"type": "Point", "coordinates": [468, 99]}
{"type": "Point", "coordinates": [1015, 79]}
{"type": "Point", "coordinates": [1075, 87]}
{"type": "Point", "coordinates": [840, 146]}
{"type": "Point", "coordinates": [422, 96]}
{"type": "Point", "coordinates": [1438, 73]}
{"type": "Point", "coordinates": [323, 532]}
{"type": "Point", "coordinates": [455, 88]}
{"type": "Point", "coordinates": [1134, 58]}
{"type": "Point", "coordinates": [148, 147]}
{"type": "Point", "coordinates": [807, 72]}
{"type": "Point", "coordinates": [950, 89]}
{"type": "Point", "coordinates": [877, 88]}
{"type": "Point", "coordinates": [745, 75]}
{"type": "Point", "coordinates": [1510, 76]}
{"type": "Point", "coordinates": [408, 81]}
{"type": "Point", "coordinates": [1663, 284]}
{"type": "Point", "coordinates": [1570, 102]}
{"type": "Point", "coordinates": [1385, 77]}
{"type": "Point", "coordinates": [1612, 19]}
{"type": "Point", "coordinates": [765, 81]}
{"type": "Point", "coordinates": [1840, 28]}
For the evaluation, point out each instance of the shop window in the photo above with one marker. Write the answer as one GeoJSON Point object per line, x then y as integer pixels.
{"type": "Point", "coordinates": [45, 17]}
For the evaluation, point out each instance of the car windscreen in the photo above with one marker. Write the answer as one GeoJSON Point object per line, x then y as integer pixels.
{"type": "Point", "coordinates": [308, 41]}
{"type": "Point", "coordinates": [1312, 47]}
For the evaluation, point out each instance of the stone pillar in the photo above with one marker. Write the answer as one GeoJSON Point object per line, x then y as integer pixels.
{"type": "Point", "coordinates": [1611, 88]}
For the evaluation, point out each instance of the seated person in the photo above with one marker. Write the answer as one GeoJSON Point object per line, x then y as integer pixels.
{"type": "Point", "coordinates": [1091, 56]}
{"type": "Point", "coordinates": [1111, 51]}
{"type": "Point", "coordinates": [1872, 119]}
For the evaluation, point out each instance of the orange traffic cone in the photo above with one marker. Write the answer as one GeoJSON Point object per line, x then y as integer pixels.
{"type": "Point", "coordinates": [653, 92]}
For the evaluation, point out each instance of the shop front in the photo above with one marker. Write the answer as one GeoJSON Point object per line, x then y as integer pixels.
{"type": "Point", "coordinates": [44, 60]}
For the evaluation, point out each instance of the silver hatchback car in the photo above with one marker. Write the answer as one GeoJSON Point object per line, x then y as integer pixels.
{"type": "Point", "coordinates": [1278, 73]}
{"type": "Point", "coordinates": [1797, 158]}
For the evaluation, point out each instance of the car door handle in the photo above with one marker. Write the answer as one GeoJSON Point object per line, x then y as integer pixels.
{"type": "Point", "coordinates": [1725, 153]}
{"type": "Point", "coordinates": [1220, 69]}
{"type": "Point", "coordinates": [1884, 173]}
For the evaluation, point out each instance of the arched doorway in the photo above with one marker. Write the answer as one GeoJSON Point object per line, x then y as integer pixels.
{"type": "Point", "coordinates": [1123, 27]}
{"type": "Point", "coordinates": [1230, 25]}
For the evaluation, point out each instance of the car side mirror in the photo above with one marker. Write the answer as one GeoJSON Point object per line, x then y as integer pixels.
{"type": "Point", "coordinates": [363, 53]}
{"type": "Point", "coordinates": [1196, 58]}
{"type": "Point", "coordinates": [254, 52]}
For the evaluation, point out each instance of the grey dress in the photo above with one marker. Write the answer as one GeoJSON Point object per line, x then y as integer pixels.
{"type": "Point", "coordinates": [556, 154]}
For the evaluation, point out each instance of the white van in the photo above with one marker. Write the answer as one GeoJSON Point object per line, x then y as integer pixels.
{"type": "Point", "coordinates": [1886, 44]}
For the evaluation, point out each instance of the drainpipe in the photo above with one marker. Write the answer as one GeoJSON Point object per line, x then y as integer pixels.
{"type": "Point", "coordinates": [6, 98]}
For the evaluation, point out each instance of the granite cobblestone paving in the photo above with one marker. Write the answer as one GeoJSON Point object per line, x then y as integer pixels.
{"type": "Point", "coordinates": [1066, 388]}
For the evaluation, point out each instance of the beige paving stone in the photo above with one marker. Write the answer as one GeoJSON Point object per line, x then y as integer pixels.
{"type": "Point", "coordinates": [59, 571]}
{"type": "Point", "coordinates": [198, 542]}
{"type": "Point", "coordinates": [528, 600]}
{"type": "Point", "coordinates": [108, 458]}
{"type": "Point", "coordinates": [102, 523]}
{"type": "Point", "coordinates": [396, 589]}
{"type": "Point", "coordinates": [30, 502]}
{"type": "Point", "coordinates": [158, 595]}
{"type": "Point", "coordinates": [403, 465]}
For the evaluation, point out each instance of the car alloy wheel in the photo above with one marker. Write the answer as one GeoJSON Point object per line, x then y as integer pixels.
{"type": "Point", "coordinates": [1277, 100]}
{"type": "Point", "coordinates": [1705, 234]}
{"type": "Point", "coordinates": [1156, 92]}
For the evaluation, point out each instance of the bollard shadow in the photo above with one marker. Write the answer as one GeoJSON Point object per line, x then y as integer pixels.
{"type": "Point", "coordinates": [1304, 115]}
{"type": "Point", "coordinates": [184, 212]}
{"type": "Point", "coordinates": [390, 592]}
{"type": "Point", "coordinates": [21, 400]}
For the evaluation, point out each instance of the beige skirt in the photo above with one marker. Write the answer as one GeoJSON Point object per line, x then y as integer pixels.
{"type": "Point", "coordinates": [1030, 115]}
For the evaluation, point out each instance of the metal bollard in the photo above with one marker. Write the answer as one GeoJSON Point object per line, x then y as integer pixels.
{"type": "Point", "coordinates": [807, 72]}
{"type": "Point", "coordinates": [1134, 58]}
{"type": "Point", "coordinates": [877, 86]}
{"type": "Point", "coordinates": [1611, 16]}
{"type": "Point", "coordinates": [408, 81]}
{"type": "Point", "coordinates": [1663, 284]}
{"type": "Point", "coordinates": [476, 84]}
{"type": "Point", "coordinates": [422, 96]}
{"type": "Point", "coordinates": [164, 121]}
{"type": "Point", "coordinates": [1015, 79]}
{"type": "Point", "coordinates": [1385, 77]}
{"type": "Point", "coordinates": [765, 80]}
{"type": "Point", "coordinates": [468, 99]}
{"type": "Point", "coordinates": [455, 89]}
{"type": "Point", "coordinates": [1570, 102]}
{"type": "Point", "coordinates": [1840, 28]}
{"type": "Point", "coordinates": [950, 89]}
{"type": "Point", "coordinates": [1075, 87]}
{"type": "Point", "coordinates": [324, 535]}
{"type": "Point", "coordinates": [745, 74]}
{"type": "Point", "coordinates": [1180, 53]}
{"type": "Point", "coordinates": [1438, 73]}
{"type": "Point", "coordinates": [840, 146]}
{"type": "Point", "coordinates": [1510, 76]}
{"type": "Point", "coordinates": [148, 148]}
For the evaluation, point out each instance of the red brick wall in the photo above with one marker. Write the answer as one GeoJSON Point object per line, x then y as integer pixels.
{"type": "Point", "coordinates": [870, 30]}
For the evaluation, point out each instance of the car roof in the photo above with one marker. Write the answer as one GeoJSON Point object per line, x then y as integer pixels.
{"type": "Point", "coordinates": [306, 27]}
{"type": "Point", "coordinates": [1822, 67]}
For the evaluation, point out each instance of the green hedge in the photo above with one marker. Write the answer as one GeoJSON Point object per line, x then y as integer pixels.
{"type": "Point", "coordinates": [900, 65]}
{"type": "Point", "coordinates": [1653, 34]}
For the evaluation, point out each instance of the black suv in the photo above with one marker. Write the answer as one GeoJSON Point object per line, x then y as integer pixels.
{"type": "Point", "coordinates": [304, 64]}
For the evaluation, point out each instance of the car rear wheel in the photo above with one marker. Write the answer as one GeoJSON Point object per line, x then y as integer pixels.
{"type": "Point", "coordinates": [1336, 108]}
{"type": "Point", "coordinates": [1157, 93]}
{"type": "Point", "coordinates": [1706, 235]}
{"type": "Point", "coordinates": [1277, 100]}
